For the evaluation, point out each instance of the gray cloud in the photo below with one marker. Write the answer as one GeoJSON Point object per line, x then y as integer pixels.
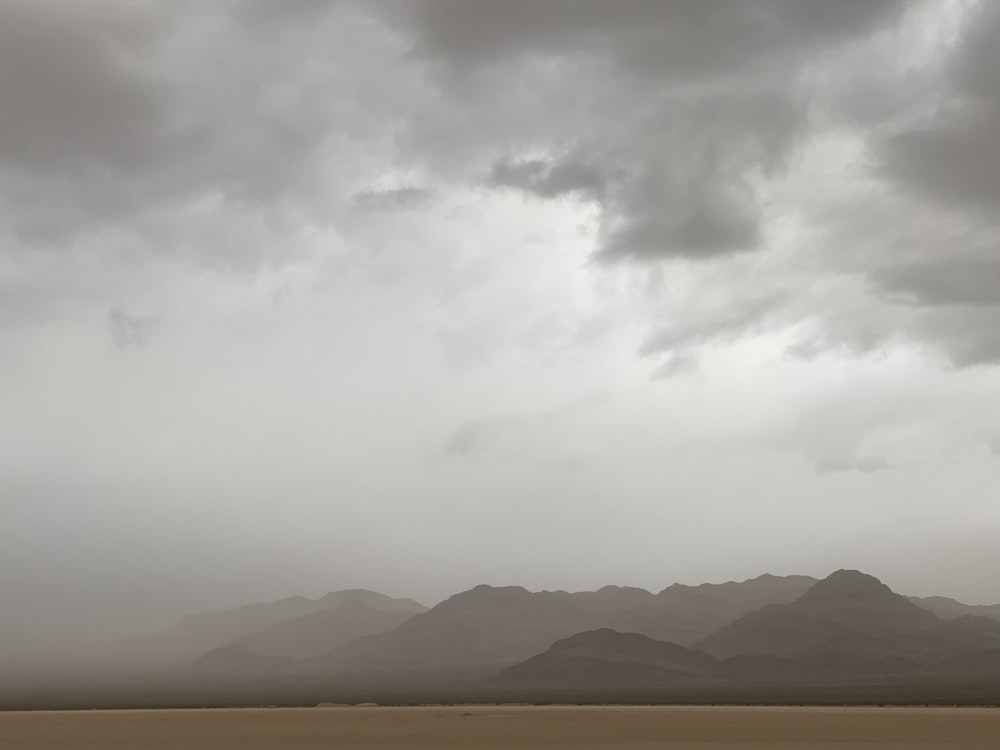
{"type": "Point", "coordinates": [952, 160]}
{"type": "Point", "coordinates": [703, 100]}
{"type": "Point", "coordinates": [75, 89]}
{"type": "Point", "coordinates": [693, 193]}
{"type": "Point", "coordinates": [953, 164]}
{"type": "Point", "coordinates": [969, 336]}
{"type": "Point", "coordinates": [126, 114]}
{"type": "Point", "coordinates": [82, 111]}
{"type": "Point", "coordinates": [260, 136]}
{"type": "Point", "coordinates": [677, 38]}
{"type": "Point", "coordinates": [401, 198]}
{"type": "Point", "coordinates": [651, 212]}
{"type": "Point", "coordinates": [550, 178]}
{"type": "Point", "coordinates": [948, 164]}
{"type": "Point", "coordinates": [129, 331]}
{"type": "Point", "coordinates": [676, 364]}
{"type": "Point", "coordinates": [263, 13]}
{"type": "Point", "coordinates": [939, 282]}
{"type": "Point", "coordinates": [661, 219]}
{"type": "Point", "coordinates": [906, 233]}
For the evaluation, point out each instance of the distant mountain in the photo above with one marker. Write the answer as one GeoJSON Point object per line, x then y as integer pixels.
{"type": "Point", "coordinates": [606, 658]}
{"type": "Point", "coordinates": [696, 611]}
{"type": "Point", "coordinates": [851, 613]}
{"type": "Point", "coordinates": [319, 633]}
{"type": "Point", "coordinates": [847, 627]}
{"type": "Point", "coordinates": [199, 633]}
{"type": "Point", "coordinates": [493, 626]}
{"type": "Point", "coordinates": [860, 600]}
{"type": "Point", "coordinates": [483, 626]}
{"type": "Point", "coordinates": [949, 609]}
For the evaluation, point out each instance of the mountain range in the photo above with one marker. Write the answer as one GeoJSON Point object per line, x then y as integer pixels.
{"type": "Point", "coordinates": [295, 627]}
{"type": "Point", "coordinates": [767, 629]}
{"type": "Point", "coordinates": [488, 627]}
{"type": "Point", "coordinates": [849, 626]}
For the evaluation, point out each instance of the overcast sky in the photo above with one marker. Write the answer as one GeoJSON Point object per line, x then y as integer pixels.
{"type": "Point", "coordinates": [304, 295]}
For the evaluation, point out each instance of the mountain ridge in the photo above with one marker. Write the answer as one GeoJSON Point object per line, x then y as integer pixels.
{"type": "Point", "coordinates": [848, 607]}
{"type": "Point", "coordinates": [848, 626]}
{"type": "Point", "coordinates": [492, 625]}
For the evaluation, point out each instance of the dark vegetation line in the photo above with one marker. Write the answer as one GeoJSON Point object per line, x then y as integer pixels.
{"type": "Point", "coordinates": [936, 693]}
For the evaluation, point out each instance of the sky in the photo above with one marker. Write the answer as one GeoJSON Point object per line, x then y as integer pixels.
{"type": "Point", "coordinates": [306, 295]}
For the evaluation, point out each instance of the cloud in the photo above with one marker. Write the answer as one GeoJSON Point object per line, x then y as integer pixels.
{"type": "Point", "coordinates": [952, 164]}
{"type": "Point", "coordinates": [81, 113]}
{"type": "Point", "coordinates": [687, 117]}
{"type": "Point", "coordinates": [683, 38]}
{"type": "Point", "coordinates": [393, 199]}
{"type": "Point", "coordinates": [972, 281]}
{"type": "Point", "coordinates": [550, 178]}
{"type": "Point", "coordinates": [952, 159]}
{"type": "Point", "coordinates": [129, 331]}
{"type": "Point", "coordinates": [263, 13]}
{"type": "Point", "coordinates": [682, 106]}
{"type": "Point", "coordinates": [677, 365]}
{"type": "Point", "coordinates": [946, 166]}
{"type": "Point", "coordinates": [127, 115]}
{"type": "Point", "coordinates": [674, 122]}
{"type": "Point", "coordinates": [877, 226]}
{"type": "Point", "coordinates": [74, 88]}
{"type": "Point", "coordinates": [660, 219]}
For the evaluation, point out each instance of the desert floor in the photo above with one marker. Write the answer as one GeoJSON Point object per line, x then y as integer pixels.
{"type": "Point", "coordinates": [702, 728]}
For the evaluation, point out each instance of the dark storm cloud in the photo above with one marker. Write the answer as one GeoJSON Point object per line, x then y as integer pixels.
{"type": "Point", "coordinates": [119, 110]}
{"type": "Point", "coordinates": [970, 339]}
{"type": "Point", "coordinates": [673, 38]}
{"type": "Point", "coordinates": [939, 282]}
{"type": "Point", "coordinates": [79, 105]}
{"type": "Point", "coordinates": [659, 209]}
{"type": "Point", "coordinates": [74, 88]}
{"type": "Point", "coordinates": [951, 164]}
{"type": "Point", "coordinates": [954, 160]}
{"type": "Point", "coordinates": [550, 178]}
{"type": "Point", "coordinates": [118, 113]}
{"type": "Point", "coordinates": [704, 102]}
{"type": "Point", "coordinates": [659, 219]}
{"type": "Point", "coordinates": [954, 164]}
{"type": "Point", "coordinates": [669, 117]}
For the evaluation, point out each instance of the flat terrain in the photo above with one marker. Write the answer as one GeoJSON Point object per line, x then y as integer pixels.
{"type": "Point", "coordinates": [704, 728]}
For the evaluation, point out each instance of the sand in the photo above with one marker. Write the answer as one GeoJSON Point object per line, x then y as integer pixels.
{"type": "Point", "coordinates": [703, 728]}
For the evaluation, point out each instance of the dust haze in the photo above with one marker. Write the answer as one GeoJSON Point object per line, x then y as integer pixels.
{"type": "Point", "coordinates": [349, 310]}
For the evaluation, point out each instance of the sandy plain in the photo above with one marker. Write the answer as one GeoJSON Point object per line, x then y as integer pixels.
{"type": "Point", "coordinates": [495, 727]}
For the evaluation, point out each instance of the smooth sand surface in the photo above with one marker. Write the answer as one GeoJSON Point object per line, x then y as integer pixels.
{"type": "Point", "coordinates": [704, 728]}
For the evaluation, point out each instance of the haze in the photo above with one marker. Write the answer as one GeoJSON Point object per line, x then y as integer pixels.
{"type": "Point", "coordinates": [302, 296]}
